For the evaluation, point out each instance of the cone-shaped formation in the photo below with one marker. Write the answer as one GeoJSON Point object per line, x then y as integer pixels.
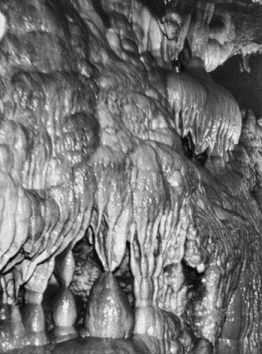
{"type": "Point", "coordinates": [108, 312]}
{"type": "Point", "coordinates": [64, 310]}
{"type": "Point", "coordinates": [64, 315]}
{"type": "Point", "coordinates": [34, 323]}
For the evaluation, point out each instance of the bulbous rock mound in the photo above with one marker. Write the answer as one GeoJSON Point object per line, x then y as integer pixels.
{"type": "Point", "coordinates": [108, 313]}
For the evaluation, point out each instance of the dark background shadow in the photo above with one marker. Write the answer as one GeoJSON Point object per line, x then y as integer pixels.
{"type": "Point", "coordinates": [245, 87]}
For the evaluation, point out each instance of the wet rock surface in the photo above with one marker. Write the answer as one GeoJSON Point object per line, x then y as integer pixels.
{"type": "Point", "coordinates": [108, 312]}
{"type": "Point", "coordinates": [95, 346]}
{"type": "Point", "coordinates": [130, 204]}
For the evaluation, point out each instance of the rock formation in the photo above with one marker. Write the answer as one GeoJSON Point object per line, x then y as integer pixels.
{"type": "Point", "coordinates": [131, 182]}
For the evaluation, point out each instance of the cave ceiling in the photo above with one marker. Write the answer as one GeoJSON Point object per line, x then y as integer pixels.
{"type": "Point", "coordinates": [130, 176]}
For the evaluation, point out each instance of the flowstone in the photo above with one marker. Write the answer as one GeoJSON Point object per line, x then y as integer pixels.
{"type": "Point", "coordinates": [130, 204]}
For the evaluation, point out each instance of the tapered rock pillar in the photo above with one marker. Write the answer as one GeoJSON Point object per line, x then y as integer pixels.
{"type": "Point", "coordinates": [64, 315]}
{"type": "Point", "coordinates": [32, 312]}
{"type": "Point", "coordinates": [34, 323]}
{"type": "Point", "coordinates": [64, 311]}
{"type": "Point", "coordinates": [108, 312]}
{"type": "Point", "coordinates": [12, 332]}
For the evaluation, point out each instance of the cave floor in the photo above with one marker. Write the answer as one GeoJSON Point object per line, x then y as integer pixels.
{"type": "Point", "coordinates": [90, 345]}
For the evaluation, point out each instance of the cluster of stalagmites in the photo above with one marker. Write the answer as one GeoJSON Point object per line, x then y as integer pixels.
{"type": "Point", "coordinates": [55, 316]}
{"type": "Point", "coordinates": [108, 313]}
{"type": "Point", "coordinates": [107, 229]}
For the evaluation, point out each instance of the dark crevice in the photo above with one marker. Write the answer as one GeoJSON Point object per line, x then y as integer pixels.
{"type": "Point", "coordinates": [189, 151]}
{"type": "Point", "coordinates": [193, 279]}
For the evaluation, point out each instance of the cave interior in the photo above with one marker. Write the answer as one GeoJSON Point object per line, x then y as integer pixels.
{"type": "Point", "coordinates": [131, 163]}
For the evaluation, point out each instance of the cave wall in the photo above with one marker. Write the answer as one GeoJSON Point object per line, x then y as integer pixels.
{"type": "Point", "coordinates": [130, 180]}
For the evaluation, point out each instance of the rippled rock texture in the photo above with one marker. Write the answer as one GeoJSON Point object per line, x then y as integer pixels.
{"type": "Point", "coordinates": [130, 181]}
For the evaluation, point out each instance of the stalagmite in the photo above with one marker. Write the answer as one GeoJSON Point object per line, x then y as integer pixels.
{"type": "Point", "coordinates": [64, 315]}
{"type": "Point", "coordinates": [13, 335]}
{"type": "Point", "coordinates": [34, 324]}
{"type": "Point", "coordinates": [108, 312]}
{"type": "Point", "coordinates": [64, 311]}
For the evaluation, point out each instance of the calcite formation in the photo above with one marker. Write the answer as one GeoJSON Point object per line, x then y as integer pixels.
{"type": "Point", "coordinates": [131, 203]}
